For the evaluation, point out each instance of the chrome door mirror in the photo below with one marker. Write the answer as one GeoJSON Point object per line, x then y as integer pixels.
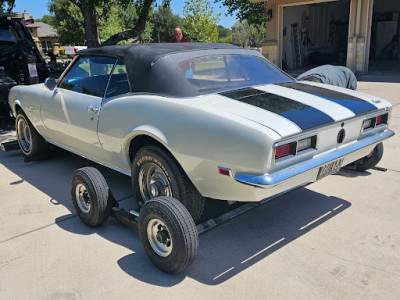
{"type": "Point", "coordinates": [50, 83]}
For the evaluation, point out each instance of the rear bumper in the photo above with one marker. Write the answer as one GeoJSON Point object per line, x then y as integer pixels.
{"type": "Point", "coordinates": [349, 153]}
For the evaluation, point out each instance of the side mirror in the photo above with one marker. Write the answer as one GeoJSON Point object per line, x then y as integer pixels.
{"type": "Point", "coordinates": [50, 83]}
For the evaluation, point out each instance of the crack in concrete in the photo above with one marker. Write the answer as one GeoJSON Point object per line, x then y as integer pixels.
{"type": "Point", "coordinates": [347, 260]}
{"type": "Point", "coordinates": [62, 219]}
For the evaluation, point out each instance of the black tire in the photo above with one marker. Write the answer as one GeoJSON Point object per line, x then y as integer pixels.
{"type": "Point", "coordinates": [173, 181]}
{"type": "Point", "coordinates": [30, 141]}
{"type": "Point", "coordinates": [371, 160]}
{"type": "Point", "coordinates": [168, 234]}
{"type": "Point", "coordinates": [90, 196]}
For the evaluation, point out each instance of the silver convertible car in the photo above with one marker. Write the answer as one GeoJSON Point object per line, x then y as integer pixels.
{"type": "Point", "coordinates": [197, 120]}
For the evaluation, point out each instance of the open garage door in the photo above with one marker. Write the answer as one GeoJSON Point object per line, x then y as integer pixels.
{"type": "Point", "coordinates": [315, 34]}
{"type": "Point", "coordinates": [385, 37]}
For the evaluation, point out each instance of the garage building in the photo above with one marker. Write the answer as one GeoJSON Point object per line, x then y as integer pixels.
{"type": "Point", "coordinates": [360, 34]}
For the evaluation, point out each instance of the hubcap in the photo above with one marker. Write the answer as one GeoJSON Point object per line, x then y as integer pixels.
{"type": "Point", "coordinates": [24, 135]}
{"type": "Point", "coordinates": [153, 182]}
{"type": "Point", "coordinates": [83, 198]}
{"type": "Point", "coordinates": [159, 237]}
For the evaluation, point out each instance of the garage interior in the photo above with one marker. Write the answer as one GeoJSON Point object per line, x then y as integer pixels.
{"type": "Point", "coordinates": [315, 34]}
{"type": "Point", "coordinates": [385, 38]}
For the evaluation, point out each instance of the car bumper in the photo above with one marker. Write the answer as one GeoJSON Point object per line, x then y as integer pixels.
{"type": "Point", "coordinates": [307, 172]}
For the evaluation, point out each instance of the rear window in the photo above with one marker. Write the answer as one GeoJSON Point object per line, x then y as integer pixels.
{"type": "Point", "coordinates": [217, 73]}
{"type": "Point", "coordinates": [8, 35]}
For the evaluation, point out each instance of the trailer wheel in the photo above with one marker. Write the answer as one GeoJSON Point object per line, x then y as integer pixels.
{"type": "Point", "coordinates": [90, 196]}
{"type": "Point", "coordinates": [168, 234]}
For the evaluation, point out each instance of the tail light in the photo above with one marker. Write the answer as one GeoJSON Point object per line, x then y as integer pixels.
{"type": "Point", "coordinates": [282, 151]}
{"type": "Point", "coordinates": [294, 148]}
{"type": "Point", "coordinates": [373, 122]}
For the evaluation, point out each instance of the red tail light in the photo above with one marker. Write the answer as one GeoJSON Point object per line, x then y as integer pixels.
{"type": "Point", "coordinates": [380, 119]}
{"type": "Point", "coordinates": [282, 151]}
{"type": "Point", "coordinates": [75, 50]}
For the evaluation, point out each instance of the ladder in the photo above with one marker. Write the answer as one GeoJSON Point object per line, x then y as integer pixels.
{"type": "Point", "coordinates": [296, 47]}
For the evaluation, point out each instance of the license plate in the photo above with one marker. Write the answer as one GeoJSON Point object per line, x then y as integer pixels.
{"type": "Point", "coordinates": [32, 70]}
{"type": "Point", "coordinates": [330, 168]}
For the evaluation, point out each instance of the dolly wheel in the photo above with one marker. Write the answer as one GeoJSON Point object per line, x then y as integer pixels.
{"type": "Point", "coordinates": [90, 196]}
{"type": "Point", "coordinates": [168, 234]}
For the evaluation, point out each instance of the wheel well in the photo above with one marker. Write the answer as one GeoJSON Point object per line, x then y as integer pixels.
{"type": "Point", "coordinates": [18, 108]}
{"type": "Point", "coordinates": [143, 140]}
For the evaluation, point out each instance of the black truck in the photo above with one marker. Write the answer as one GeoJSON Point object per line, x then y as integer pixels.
{"type": "Point", "coordinates": [20, 59]}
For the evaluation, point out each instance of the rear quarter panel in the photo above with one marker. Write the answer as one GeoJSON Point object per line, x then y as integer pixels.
{"type": "Point", "coordinates": [199, 138]}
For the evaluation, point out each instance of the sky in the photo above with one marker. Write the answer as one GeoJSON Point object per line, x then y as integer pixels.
{"type": "Point", "coordinates": [38, 8]}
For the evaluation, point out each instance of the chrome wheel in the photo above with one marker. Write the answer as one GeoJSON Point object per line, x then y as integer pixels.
{"type": "Point", "coordinates": [153, 182]}
{"type": "Point", "coordinates": [83, 198]}
{"type": "Point", "coordinates": [159, 237]}
{"type": "Point", "coordinates": [24, 135]}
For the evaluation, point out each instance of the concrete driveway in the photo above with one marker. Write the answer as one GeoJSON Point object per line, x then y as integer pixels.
{"type": "Point", "coordinates": [337, 238]}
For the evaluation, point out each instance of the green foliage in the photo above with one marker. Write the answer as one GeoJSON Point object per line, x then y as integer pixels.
{"type": "Point", "coordinates": [254, 13]}
{"type": "Point", "coordinates": [119, 16]}
{"type": "Point", "coordinates": [249, 35]}
{"type": "Point", "coordinates": [223, 32]}
{"type": "Point", "coordinates": [200, 22]}
{"type": "Point", "coordinates": [164, 22]}
{"type": "Point", "coordinates": [6, 6]}
{"type": "Point", "coordinates": [48, 19]}
{"type": "Point", "coordinates": [255, 34]}
{"type": "Point", "coordinates": [225, 39]}
{"type": "Point", "coordinates": [224, 35]}
{"type": "Point", "coordinates": [69, 22]}
{"type": "Point", "coordinates": [61, 52]}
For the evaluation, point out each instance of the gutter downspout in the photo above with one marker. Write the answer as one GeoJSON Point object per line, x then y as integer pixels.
{"type": "Point", "coordinates": [356, 34]}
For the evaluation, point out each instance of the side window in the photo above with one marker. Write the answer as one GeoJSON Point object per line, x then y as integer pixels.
{"type": "Point", "coordinates": [89, 75]}
{"type": "Point", "coordinates": [118, 82]}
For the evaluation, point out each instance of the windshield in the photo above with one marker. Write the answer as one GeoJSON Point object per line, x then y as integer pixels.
{"type": "Point", "coordinates": [215, 73]}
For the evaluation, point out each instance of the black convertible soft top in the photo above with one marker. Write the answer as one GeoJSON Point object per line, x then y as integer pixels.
{"type": "Point", "coordinates": [152, 68]}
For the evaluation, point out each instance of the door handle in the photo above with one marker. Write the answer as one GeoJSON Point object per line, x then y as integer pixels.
{"type": "Point", "coordinates": [92, 109]}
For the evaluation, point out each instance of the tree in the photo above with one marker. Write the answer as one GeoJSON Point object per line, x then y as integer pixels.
{"type": "Point", "coordinates": [255, 33]}
{"type": "Point", "coordinates": [69, 22]}
{"type": "Point", "coordinates": [48, 19]}
{"type": "Point", "coordinates": [6, 6]}
{"type": "Point", "coordinates": [254, 13]}
{"type": "Point", "coordinates": [200, 22]}
{"type": "Point", "coordinates": [164, 22]}
{"type": "Point", "coordinates": [224, 34]}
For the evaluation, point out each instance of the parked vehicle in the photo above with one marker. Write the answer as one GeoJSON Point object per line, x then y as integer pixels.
{"type": "Point", "coordinates": [72, 50]}
{"type": "Point", "coordinates": [20, 60]}
{"type": "Point", "coordinates": [200, 120]}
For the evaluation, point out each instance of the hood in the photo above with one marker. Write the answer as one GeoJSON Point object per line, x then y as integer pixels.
{"type": "Point", "coordinates": [294, 107]}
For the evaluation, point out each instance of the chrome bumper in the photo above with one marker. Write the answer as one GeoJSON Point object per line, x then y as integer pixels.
{"type": "Point", "coordinates": [270, 180]}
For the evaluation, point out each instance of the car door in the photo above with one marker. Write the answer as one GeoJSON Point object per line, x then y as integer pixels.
{"type": "Point", "coordinates": [70, 112]}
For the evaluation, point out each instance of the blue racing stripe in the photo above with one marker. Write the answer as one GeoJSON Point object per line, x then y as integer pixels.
{"type": "Point", "coordinates": [356, 105]}
{"type": "Point", "coordinates": [304, 116]}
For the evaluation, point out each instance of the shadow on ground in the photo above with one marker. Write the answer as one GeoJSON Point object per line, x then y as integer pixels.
{"type": "Point", "coordinates": [224, 251]}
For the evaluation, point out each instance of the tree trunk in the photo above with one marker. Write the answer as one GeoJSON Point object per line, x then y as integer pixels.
{"type": "Point", "coordinates": [135, 32]}
{"type": "Point", "coordinates": [91, 22]}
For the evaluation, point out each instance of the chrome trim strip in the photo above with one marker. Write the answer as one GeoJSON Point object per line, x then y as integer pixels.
{"type": "Point", "coordinates": [89, 158]}
{"type": "Point", "coordinates": [270, 180]}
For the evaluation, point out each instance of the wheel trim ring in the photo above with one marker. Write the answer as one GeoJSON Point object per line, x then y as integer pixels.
{"type": "Point", "coordinates": [24, 135]}
{"type": "Point", "coordinates": [160, 248]}
{"type": "Point", "coordinates": [82, 198]}
{"type": "Point", "coordinates": [150, 174]}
